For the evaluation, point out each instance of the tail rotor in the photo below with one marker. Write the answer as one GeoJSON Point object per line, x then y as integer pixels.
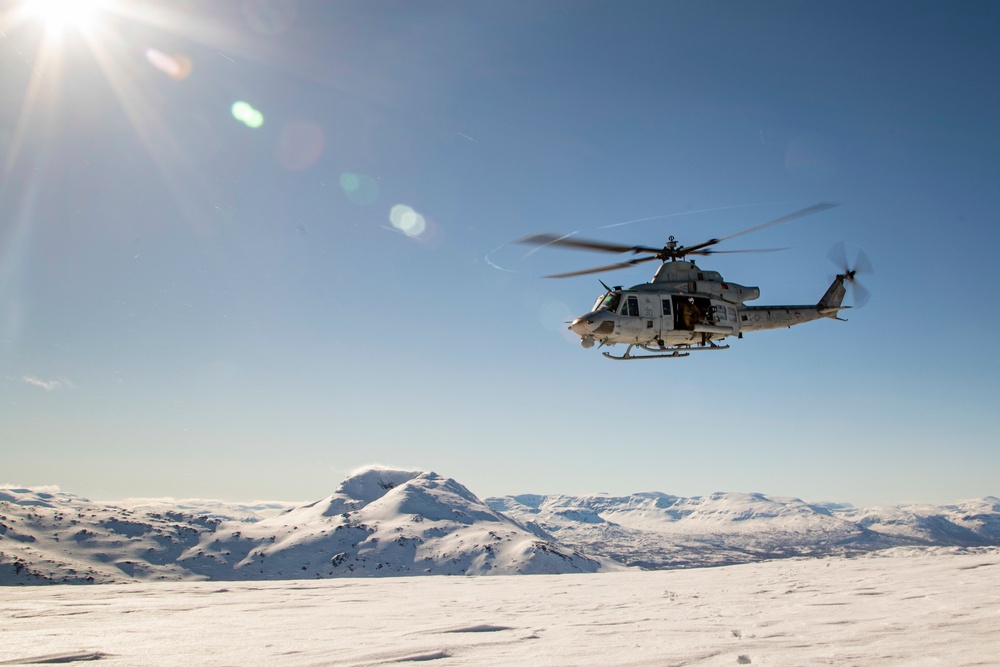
{"type": "Point", "coordinates": [851, 261]}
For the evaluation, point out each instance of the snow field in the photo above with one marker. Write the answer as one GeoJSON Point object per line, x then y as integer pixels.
{"type": "Point", "coordinates": [937, 607]}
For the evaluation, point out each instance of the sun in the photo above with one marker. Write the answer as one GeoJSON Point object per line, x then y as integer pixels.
{"type": "Point", "coordinates": [58, 16]}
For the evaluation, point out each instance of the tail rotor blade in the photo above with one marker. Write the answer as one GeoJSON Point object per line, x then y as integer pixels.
{"type": "Point", "coordinates": [838, 255]}
{"type": "Point", "coordinates": [860, 293]}
{"type": "Point", "coordinates": [850, 269]}
{"type": "Point", "coordinates": [862, 264]}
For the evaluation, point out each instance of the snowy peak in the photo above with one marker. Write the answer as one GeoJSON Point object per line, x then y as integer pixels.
{"type": "Point", "coordinates": [391, 523]}
{"type": "Point", "coordinates": [362, 487]}
{"type": "Point", "coordinates": [369, 484]}
{"type": "Point", "coordinates": [433, 498]}
{"type": "Point", "coordinates": [385, 493]}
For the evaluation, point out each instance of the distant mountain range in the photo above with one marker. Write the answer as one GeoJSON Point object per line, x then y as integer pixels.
{"type": "Point", "coordinates": [656, 530]}
{"type": "Point", "coordinates": [383, 522]}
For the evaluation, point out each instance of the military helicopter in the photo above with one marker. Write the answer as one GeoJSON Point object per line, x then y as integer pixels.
{"type": "Point", "coordinates": [686, 309]}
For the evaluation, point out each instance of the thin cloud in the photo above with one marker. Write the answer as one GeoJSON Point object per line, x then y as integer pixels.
{"type": "Point", "coordinates": [38, 488]}
{"type": "Point", "coordinates": [47, 385]}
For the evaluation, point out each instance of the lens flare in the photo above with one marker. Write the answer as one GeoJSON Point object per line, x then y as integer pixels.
{"type": "Point", "coordinates": [246, 114]}
{"type": "Point", "coordinates": [350, 182]}
{"type": "Point", "coordinates": [176, 66]}
{"type": "Point", "coordinates": [406, 220]}
{"type": "Point", "coordinates": [361, 189]}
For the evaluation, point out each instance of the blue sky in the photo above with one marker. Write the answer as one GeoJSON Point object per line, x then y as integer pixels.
{"type": "Point", "coordinates": [190, 306]}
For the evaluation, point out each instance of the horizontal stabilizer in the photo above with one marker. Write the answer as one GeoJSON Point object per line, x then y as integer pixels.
{"type": "Point", "coordinates": [832, 311]}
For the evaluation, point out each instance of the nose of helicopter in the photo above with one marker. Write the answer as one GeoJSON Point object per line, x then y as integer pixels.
{"type": "Point", "coordinates": [586, 324]}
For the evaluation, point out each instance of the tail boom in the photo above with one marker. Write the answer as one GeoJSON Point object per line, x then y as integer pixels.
{"type": "Point", "coordinates": [761, 318]}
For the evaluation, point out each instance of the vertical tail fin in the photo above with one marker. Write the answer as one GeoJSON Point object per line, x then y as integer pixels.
{"type": "Point", "coordinates": [829, 305]}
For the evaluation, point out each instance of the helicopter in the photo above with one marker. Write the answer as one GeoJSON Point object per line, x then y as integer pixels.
{"type": "Point", "coordinates": [685, 308]}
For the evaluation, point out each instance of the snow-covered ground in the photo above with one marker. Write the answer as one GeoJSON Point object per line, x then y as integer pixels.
{"type": "Point", "coordinates": [903, 607]}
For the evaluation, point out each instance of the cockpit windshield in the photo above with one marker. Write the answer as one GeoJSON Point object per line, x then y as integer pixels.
{"type": "Point", "coordinates": [608, 301]}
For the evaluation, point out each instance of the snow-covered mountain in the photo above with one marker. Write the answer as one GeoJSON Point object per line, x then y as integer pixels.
{"type": "Point", "coordinates": [383, 522]}
{"type": "Point", "coordinates": [656, 530]}
{"type": "Point", "coordinates": [60, 537]}
{"type": "Point", "coordinates": [972, 523]}
{"type": "Point", "coordinates": [378, 523]}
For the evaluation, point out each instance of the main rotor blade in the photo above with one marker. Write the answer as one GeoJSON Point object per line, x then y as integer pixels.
{"type": "Point", "coordinates": [600, 269]}
{"type": "Point", "coordinates": [584, 244]}
{"type": "Point", "coordinates": [730, 252]}
{"type": "Point", "coordinates": [816, 208]}
{"type": "Point", "coordinates": [696, 249]}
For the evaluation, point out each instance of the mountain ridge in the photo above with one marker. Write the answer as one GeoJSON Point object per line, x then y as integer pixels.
{"type": "Point", "coordinates": [378, 522]}
{"type": "Point", "coordinates": [657, 530]}
{"type": "Point", "coordinates": [391, 522]}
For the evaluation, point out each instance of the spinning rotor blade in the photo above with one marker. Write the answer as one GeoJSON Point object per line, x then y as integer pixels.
{"type": "Point", "coordinates": [838, 255]}
{"type": "Point", "coordinates": [582, 244]}
{"type": "Point", "coordinates": [672, 250]}
{"type": "Point", "coordinates": [730, 252]}
{"type": "Point", "coordinates": [697, 248]}
{"type": "Point", "coordinates": [861, 295]}
{"type": "Point", "coordinates": [599, 269]}
{"type": "Point", "coordinates": [816, 208]}
{"type": "Point", "coordinates": [861, 264]}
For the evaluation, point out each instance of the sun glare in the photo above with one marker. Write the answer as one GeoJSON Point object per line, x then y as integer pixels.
{"type": "Point", "coordinates": [59, 15]}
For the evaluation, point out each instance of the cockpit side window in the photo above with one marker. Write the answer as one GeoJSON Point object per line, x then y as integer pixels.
{"type": "Point", "coordinates": [608, 302]}
{"type": "Point", "coordinates": [631, 307]}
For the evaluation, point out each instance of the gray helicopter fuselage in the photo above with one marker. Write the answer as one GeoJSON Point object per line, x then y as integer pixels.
{"type": "Point", "coordinates": [685, 306]}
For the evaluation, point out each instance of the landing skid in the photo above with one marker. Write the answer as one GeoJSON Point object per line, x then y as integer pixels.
{"type": "Point", "coordinates": [663, 352]}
